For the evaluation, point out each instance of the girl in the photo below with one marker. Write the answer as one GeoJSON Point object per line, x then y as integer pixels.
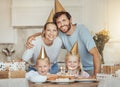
{"type": "Point", "coordinates": [73, 64]}
{"type": "Point", "coordinates": [42, 67]}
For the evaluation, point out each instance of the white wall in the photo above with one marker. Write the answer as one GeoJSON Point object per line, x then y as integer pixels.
{"type": "Point", "coordinates": [35, 12]}
{"type": "Point", "coordinates": [112, 48]}
{"type": "Point", "coordinates": [114, 19]}
{"type": "Point", "coordinates": [6, 31]}
{"type": "Point", "coordinates": [93, 14]}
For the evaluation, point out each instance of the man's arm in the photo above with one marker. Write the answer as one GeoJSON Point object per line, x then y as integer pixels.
{"type": "Point", "coordinates": [96, 60]}
{"type": "Point", "coordinates": [30, 39]}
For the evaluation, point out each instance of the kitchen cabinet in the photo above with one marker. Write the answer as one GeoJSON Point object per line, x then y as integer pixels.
{"type": "Point", "coordinates": [36, 12]}
{"type": "Point", "coordinates": [6, 31]}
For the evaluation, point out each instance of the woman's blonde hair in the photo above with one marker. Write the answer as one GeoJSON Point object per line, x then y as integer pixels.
{"type": "Point", "coordinates": [45, 26]}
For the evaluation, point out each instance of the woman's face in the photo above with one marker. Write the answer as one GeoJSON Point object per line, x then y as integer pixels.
{"type": "Point", "coordinates": [43, 67]}
{"type": "Point", "coordinates": [51, 32]}
{"type": "Point", "coordinates": [72, 62]}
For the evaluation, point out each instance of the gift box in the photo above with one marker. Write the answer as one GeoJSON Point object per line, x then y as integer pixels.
{"type": "Point", "coordinates": [110, 68]}
{"type": "Point", "coordinates": [4, 74]}
{"type": "Point", "coordinates": [12, 70]}
{"type": "Point", "coordinates": [12, 74]}
{"type": "Point", "coordinates": [17, 74]}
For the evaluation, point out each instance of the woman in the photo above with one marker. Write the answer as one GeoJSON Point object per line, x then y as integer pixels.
{"type": "Point", "coordinates": [50, 41]}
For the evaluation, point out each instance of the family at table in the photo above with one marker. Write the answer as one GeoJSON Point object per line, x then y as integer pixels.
{"type": "Point", "coordinates": [82, 59]}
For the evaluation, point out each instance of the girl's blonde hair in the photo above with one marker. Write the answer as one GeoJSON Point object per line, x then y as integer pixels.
{"type": "Point", "coordinates": [44, 59]}
{"type": "Point", "coordinates": [78, 59]}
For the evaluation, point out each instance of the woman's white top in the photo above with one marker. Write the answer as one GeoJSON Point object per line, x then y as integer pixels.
{"type": "Point", "coordinates": [52, 51]}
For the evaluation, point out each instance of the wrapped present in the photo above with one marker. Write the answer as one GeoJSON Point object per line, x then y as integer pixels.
{"type": "Point", "coordinates": [17, 74]}
{"type": "Point", "coordinates": [12, 70]}
{"type": "Point", "coordinates": [12, 74]}
{"type": "Point", "coordinates": [4, 74]}
{"type": "Point", "coordinates": [110, 68]}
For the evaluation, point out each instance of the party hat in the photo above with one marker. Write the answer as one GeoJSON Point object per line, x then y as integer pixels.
{"type": "Point", "coordinates": [42, 53]}
{"type": "Point", "coordinates": [50, 18]}
{"type": "Point", "coordinates": [74, 50]}
{"type": "Point", "coordinates": [58, 7]}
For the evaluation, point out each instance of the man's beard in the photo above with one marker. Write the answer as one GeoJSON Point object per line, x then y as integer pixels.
{"type": "Point", "coordinates": [69, 26]}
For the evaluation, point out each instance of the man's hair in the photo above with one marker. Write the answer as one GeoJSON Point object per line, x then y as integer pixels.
{"type": "Point", "coordinates": [58, 14]}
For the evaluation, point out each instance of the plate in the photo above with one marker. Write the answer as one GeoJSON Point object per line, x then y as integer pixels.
{"type": "Point", "coordinates": [86, 80]}
{"type": "Point", "coordinates": [61, 81]}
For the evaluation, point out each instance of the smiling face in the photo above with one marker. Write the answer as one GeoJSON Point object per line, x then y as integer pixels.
{"type": "Point", "coordinates": [72, 62]}
{"type": "Point", "coordinates": [50, 31]}
{"type": "Point", "coordinates": [63, 23]}
{"type": "Point", "coordinates": [43, 66]}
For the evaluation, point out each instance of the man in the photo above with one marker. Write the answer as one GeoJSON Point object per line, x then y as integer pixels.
{"type": "Point", "coordinates": [70, 33]}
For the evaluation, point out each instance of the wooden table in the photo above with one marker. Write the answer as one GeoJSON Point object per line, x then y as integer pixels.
{"type": "Point", "coordinates": [75, 84]}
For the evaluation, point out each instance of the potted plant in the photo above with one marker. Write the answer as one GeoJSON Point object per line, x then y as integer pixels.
{"type": "Point", "coordinates": [101, 38]}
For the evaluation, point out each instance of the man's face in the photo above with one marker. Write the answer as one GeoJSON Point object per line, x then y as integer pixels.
{"type": "Point", "coordinates": [43, 67]}
{"type": "Point", "coordinates": [63, 23]}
